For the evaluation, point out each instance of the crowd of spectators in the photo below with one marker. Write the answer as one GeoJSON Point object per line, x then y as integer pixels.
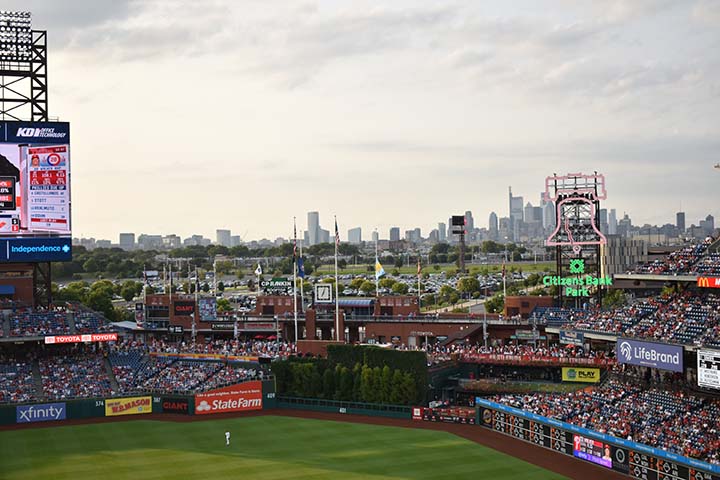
{"type": "Point", "coordinates": [251, 348]}
{"type": "Point", "coordinates": [33, 324]}
{"type": "Point", "coordinates": [672, 420]}
{"type": "Point", "coordinates": [689, 260]}
{"type": "Point", "coordinates": [16, 381]}
{"type": "Point", "coordinates": [71, 376]}
{"type": "Point", "coordinates": [438, 353]}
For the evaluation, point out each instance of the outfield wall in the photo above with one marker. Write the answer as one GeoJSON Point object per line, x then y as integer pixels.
{"type": "Point", "coordinates": [352, 408]}
{"type": "Point", "coordinates": [633, 459]}
{"type": "Point", "coordinates": [253, 395]}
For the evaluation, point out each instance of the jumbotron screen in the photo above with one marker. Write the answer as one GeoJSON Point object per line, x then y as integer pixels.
{"type": "Point", "coordinates": [35, 192]}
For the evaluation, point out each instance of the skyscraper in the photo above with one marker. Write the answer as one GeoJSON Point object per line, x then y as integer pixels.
{"type": "Point", "coordinates": [442, 232]}
{"type": "Point", "coordinates": [493, 226]}
{"type": "Point", "coordinates": [395, 234]}
{"type": "Point", "coordinates": [680, 221]}
{"type": "Point", "coordinates": [313, 228]}
{"type": "Point", "coordinates": [355, 235]}
{"type": "Point", "coordinates": [612, 222]}
{"type": "Point", "coordinates": [469, 222]}
{"type": "Point", "coordinates": [375, 237]}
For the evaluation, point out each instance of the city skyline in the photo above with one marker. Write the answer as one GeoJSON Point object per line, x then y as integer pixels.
{"type": "Point", "coordinates": [383, 115]}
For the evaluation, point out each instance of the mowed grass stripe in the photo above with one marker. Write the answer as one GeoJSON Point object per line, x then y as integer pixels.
{"type": "Point", "coordinates": [261, 447]}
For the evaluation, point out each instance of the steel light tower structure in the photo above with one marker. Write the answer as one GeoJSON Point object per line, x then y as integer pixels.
{"type": "Point", "coordinates": [577, 234]}
{"type": "Point", "coordinates": [23, 69]}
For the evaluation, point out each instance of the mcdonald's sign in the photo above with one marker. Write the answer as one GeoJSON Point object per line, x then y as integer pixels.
{"type": "Point", "coordinates": [708, 282]}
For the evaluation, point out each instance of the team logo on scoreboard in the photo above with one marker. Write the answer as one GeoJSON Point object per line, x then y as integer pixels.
{"type": "Point", "coordinates": [487, 416]}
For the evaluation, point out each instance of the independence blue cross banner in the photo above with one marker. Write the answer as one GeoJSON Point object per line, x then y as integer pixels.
{"type": "Point", "coordinates": [43, 249]}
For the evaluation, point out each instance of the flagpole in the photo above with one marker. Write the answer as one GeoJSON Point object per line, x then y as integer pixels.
{"type": "Point", "coordinates": [197, 305]}
{"type": "Point", "coordinates": [377, 277]}
{"type": "Point", "coordinates": [295, 278]}
{"type": "Point", "coordinates": [418, 275]}
{"type": "Point", "coordinates": [337, 300]}
{"type": "Point", "coordinates": [302, 289]}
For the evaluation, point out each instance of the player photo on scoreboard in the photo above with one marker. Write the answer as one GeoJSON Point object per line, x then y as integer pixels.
{"type": "Point", "coordinates": [34, 189]}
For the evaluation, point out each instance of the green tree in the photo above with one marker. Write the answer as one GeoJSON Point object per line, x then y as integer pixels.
{"type": "Point", "coordinates": [468, 285]}
{"type": "Point", "coordinates": [396, 388]}
{"type": "Point", "coordinates": [328, 390]}
{"type": "Point", "coordinates": [386, 282]}
{"type": "Point", "coordinates": [386, 384]}
{"type": "Point", "coordinates": [356, 282]}
{"type": "Point", "coordinates": [614, 298]}
{"type": "Point", "coordinates": [223, 305]}
{"type": "Point", "coordinates": [400, 288]}
{"type": "Point", "coordinates": [367, 287]}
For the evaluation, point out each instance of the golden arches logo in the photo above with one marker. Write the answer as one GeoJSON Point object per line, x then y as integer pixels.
{"type": "Point", "coordinates": [708, 282]}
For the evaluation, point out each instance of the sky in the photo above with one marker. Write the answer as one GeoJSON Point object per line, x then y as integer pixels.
{"type": "Point", "coordinates": [189, 116]}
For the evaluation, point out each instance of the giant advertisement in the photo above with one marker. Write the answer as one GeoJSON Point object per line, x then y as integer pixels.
{"type": "Point", "coordinates": [35, 191]}
{"type": "Point", "coordinates": [127, 406]}
{"type": "Point", "coordinates": [242, 397]}
{"type": "Point", "coordinates": [708, 365]}
{"type": "Point", "coordinates": [40, 413]}
{"type": "Point", "coordinates": [647, 354]}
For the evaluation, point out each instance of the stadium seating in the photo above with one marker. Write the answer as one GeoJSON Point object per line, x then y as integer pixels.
{"type": "Point", "coordinates": [16, 382]}
{"type": "Point", "coordinates": [674, 421]}
{"type": "Point", "coordinates": [74, 376]}
{"type": "Point", "coordinates": [37, 324]}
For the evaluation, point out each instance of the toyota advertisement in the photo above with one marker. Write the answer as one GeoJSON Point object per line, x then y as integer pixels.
{"type": "Point", "coordinates": [242, 397]}
{"type": "Point", "coordinates": [35, 192]}
{"type": "Point", "coordinates": [647, 354]}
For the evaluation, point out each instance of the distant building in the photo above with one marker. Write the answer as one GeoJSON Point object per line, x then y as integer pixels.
{"type": "Point", "coordinates": [680, 221]}
{"type": "Point", "coordinates": [395, 234]}
{"type": "Point", "coordinates": [235, 241]}
{"type": "Point", "coordinates": [442, 232]}
{"type": "Point", "coordinates": [375, 237]}
{"type": "Point", "coordinates": [223, 237]}
{"type": "Point", "coordinates": [493, 226]}
{"type": "Point", "coordinates": [171, 241]}
{"type": "Point", "coordinates": [469, 221]}
{"type": "Point", "coordinates": [708, 225]}
{"type": "Point", "coordinates": [149, 242]}
{"type": "Point", "coordinates": [355, 235]}
{"type": "Point", "coordinates": [620, 254]}
{"type": "Point", "coordinates": [612, 222]}
{"type": "Point", "coordinates": [127, 241]}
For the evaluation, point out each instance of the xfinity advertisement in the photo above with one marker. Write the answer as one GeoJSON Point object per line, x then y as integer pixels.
{"type": "Point", "coordinates": [40, 413]}
{"type": "Point", "coordinates": [647, 354]}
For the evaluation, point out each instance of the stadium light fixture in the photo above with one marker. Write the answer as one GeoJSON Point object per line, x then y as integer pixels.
{"type": "Point", "coordinates": [15, 36]}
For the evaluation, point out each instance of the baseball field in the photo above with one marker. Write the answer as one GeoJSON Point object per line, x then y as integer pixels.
{"type": "Point", "coordinates": [263, 447]}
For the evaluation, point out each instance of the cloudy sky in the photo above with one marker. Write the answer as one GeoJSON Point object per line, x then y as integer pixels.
{"type": "Point", "coordinates": [189, 116]}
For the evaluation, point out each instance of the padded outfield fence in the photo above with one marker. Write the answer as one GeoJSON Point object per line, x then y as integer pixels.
{"type": "Point", "coordinates": [252, 395]}
{"type": "Point", "coordinates": [353, 408]}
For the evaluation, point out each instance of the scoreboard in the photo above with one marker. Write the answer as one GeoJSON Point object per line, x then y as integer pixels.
{"type": "Point", "coordinates": [708, 367]}
{"type": "Point", "coordinates": [635, 460]}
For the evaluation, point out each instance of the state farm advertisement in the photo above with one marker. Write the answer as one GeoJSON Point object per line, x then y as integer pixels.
{"type": "Point", "coordinates": [92, 337]}
{"type": "Point", "coordinates": [234, 398]}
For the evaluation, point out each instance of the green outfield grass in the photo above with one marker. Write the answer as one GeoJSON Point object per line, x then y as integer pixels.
{"type": "Point", "coordinates": [265, 447]}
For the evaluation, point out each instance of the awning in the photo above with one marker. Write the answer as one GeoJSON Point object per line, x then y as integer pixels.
{"type": "Point", "coordinates": [7, 289]}
{"type": "Point", "coordinates": [356, 302]}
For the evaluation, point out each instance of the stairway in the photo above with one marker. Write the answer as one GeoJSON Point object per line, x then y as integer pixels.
{"type": "Point", "coordinates": [714, 247]}
{"type": "Point", "coordinates": [113, 381]}
{"type": "Point", "coordinates": [37, 380]}
{"type": "Point", "coordinates": [6, 325]}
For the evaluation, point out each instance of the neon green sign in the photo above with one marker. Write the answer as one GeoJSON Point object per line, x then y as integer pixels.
{"type": "Point", "coordinates": [577, 286]}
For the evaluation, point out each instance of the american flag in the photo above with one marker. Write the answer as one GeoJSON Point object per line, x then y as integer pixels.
{"type": "Point", "coordinates": [419, 266]}
{"type": "Point", "coordinates": [294, 241]}
{"type": "Point", "coordinates": [337, 235]}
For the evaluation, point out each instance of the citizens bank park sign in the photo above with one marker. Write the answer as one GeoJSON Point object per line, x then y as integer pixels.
{"type": "Point", "coordinates": [93, 337]}
{"type": "Point", "coordinates": [242, 397]}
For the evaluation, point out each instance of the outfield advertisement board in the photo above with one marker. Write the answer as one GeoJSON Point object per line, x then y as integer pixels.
{"type": "Point", "coordinates": [40, 413]}
{"type": "Point", "coordinates": [576, 374]}
{"type": "Point", "coordinates": [35, 191]}
{"type": "Point", "coordinates": [175, 405]}
{"type": "Point", "coordinates": [647, 354]}
{"type": "Point", "coordinates": [234, 398]}
{"type": "Point", "coordinates": [127, 406]}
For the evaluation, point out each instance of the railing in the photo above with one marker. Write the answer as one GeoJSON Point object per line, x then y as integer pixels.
{"type": "Point", "coordinates": [500, 359]}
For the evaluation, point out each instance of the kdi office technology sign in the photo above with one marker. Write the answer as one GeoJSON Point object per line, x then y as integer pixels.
{"type": "Point", "coordinates": [40, 413]}
{"type": "Point", "coordinates": [647, 354]}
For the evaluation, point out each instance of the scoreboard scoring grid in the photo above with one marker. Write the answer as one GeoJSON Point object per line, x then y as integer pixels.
{"type": "Point", "coordinates": [708, 366]}
{"type": "Point", "coordinates": [589, 446]}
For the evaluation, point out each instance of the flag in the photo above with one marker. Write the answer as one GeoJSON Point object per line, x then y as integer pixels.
{"type": "Point", "coordinates": [235, 330]}
{"type": "Point", "coordinates": [419, 266]}
{"type": "Point", "coordinates": [258, 271]}
{"type": "Point", "coordinates": [379, 270]}
{"type": "Point", "coordinates": [337, 235]}
{"type": "Point", "coordinates": [301, 267]}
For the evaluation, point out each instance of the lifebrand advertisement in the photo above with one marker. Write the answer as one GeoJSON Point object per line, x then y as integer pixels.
{"type": "Point", "coordinates": [127, 406]}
